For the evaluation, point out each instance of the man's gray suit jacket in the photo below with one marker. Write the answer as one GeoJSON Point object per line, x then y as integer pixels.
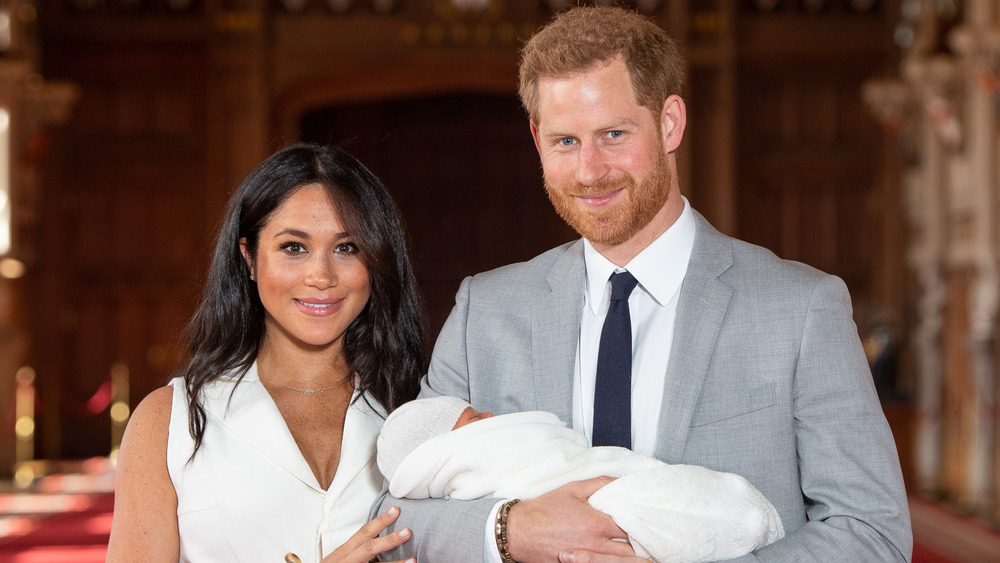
{"type": "Point", "coordinates": [767, 379]}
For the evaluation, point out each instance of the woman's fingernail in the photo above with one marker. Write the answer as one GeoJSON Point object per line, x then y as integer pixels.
{"type": "Point", "coordinates": [393, 511]}
{"type": "Point", "coordinates": [404, 533]}
{"type": "Point", "coordinates": [567, 557]}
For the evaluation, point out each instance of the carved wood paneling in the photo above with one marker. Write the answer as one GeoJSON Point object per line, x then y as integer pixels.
{"type": "Point", "coordinates": [807, 146]}
{"type": "Point", "coordinates": [126, 232]}
{"type": "Point", "coordinates": [959, 398]}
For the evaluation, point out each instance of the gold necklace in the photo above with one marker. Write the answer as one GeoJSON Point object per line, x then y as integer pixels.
{"type": "Point", "coordinates": [303, 391]}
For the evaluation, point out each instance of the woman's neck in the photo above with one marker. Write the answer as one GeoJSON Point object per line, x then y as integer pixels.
{"type": "Point", "coordinates": [300, 369]}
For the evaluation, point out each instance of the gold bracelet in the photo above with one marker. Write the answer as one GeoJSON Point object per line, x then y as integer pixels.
{"type": "Point", "coordinates": [501, 531]}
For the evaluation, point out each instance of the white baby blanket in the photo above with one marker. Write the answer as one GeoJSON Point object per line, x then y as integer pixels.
{"type": "Point", "coordinates": [672, 513]}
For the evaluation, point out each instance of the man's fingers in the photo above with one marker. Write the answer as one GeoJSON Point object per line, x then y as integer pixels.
{"type": "Point", "coordinates": [582, 556]}
{"type": "Point", "coordinates": [590, 486]}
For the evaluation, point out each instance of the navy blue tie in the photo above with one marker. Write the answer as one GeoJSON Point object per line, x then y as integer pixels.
{"type": "Point", "coordinates": [613, 390]}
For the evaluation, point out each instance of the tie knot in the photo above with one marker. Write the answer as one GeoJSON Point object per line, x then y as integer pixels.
{"type": "Point", "coordinates": [622, 284]}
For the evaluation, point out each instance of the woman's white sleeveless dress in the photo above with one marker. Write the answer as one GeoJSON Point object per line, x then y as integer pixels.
{"type": "Point", "coordinates": [249, 495]}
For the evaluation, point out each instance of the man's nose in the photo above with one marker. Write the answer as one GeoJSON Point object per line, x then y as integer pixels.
{"type": "Point", "coordinates": [591, 165]}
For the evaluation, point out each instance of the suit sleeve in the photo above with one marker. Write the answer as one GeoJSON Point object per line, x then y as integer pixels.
{"type": "Point", "coordinates": [849, 469]}
{"type": "Point", "coordinates": [443, 530]}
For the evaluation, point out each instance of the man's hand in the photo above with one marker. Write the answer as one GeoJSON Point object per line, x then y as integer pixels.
{"type": "Point", "coordinates": [581, 556]}
{"type": "Point", "coordinates": [561, 521]}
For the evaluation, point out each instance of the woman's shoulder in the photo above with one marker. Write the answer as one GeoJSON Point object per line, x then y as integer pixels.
{"type": "Point", "coordinates": [152, 415]}
{"type": "Point", "coordinates": [145, 502]}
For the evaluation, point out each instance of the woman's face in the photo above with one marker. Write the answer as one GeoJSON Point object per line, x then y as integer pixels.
{"type": "Point", "coordinates": [309, 272]}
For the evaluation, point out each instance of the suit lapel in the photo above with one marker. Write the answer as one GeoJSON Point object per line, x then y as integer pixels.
{"type": "Point", "coordinates": [555, 330]}
{"type": "Point", "coordinates": [700, 311]}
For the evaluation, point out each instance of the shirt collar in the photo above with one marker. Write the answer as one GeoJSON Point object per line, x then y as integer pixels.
{"type": "Point", "coordinates": [659, 268]}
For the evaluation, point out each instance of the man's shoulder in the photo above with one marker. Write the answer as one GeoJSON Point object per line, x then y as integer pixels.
{"type": "Point", "coordinates": [533, 270]}
{"type": "Point", "coordinates": [749, 261]}
{"type": "Point", "coordinates": [757, 271]}
{"type": "Point", "coordinates": [750, 255]}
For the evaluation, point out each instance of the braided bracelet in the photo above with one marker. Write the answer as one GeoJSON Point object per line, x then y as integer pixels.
{"type": "Point", "coordinates": [501, 531]}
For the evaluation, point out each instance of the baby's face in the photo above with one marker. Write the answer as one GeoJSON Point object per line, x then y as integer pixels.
{"type": "Point", "coordinates": [470, 415]}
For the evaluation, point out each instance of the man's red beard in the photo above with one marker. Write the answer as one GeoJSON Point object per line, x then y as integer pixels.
{"type": "Point", "coordinates": [614, 224]}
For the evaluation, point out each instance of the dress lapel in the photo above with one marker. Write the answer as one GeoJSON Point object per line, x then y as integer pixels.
{"type": "Point", "coordinates": [252, 417]}
{"type": "Point", "coordinates": [361, 428]}
{"type": "Point", "coordinates": [555, 324]}
{"type": "Point", "coordinates": [700, 311]}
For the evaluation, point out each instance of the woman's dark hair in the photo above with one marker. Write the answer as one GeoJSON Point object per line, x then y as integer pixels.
{"type": "Point", "coordinates": [383, 345]}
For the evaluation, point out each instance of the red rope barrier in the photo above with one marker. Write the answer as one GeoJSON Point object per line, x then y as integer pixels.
{"type": "Point", "coordinates": [98, 402]}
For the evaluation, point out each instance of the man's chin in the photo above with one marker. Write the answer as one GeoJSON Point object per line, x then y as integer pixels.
{"type": "Point", "coordinates": [602, 234]}
{"type": "Point", "coordinates": [604, 226]}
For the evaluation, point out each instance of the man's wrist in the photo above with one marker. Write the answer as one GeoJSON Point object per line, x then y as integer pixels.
{"type": "Point", "coordinates": [501, 531]}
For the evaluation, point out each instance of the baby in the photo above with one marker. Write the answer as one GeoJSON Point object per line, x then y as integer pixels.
{"type": "Point", "coordinates": [430, 448]}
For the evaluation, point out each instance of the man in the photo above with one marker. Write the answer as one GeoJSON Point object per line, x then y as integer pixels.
{"type": "Point", "coordinates": [741, 362]}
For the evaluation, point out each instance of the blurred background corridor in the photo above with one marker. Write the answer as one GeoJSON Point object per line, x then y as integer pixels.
{"type": "Point", "coordinates": [858, 136]}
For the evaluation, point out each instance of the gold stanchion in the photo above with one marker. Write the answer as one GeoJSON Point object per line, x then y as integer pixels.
{"type": "Point", "coordinates": [24, 427]}
{"type": "Point", "coordinates": [120, 410]}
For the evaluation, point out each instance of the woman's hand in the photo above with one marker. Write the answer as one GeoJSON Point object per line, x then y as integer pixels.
{"type": "Point", "coordinates": [366, 543]}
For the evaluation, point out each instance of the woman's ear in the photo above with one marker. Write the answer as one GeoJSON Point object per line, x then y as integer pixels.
{"type": "Point", "coordinates": [246, 256]}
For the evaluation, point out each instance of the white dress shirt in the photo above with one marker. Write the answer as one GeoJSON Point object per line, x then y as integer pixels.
{"type": "Point", "coordinates": [660, 270]}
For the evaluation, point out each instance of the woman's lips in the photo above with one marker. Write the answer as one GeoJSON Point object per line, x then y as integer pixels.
{"type": "Point", "coordinates": [319, 307]}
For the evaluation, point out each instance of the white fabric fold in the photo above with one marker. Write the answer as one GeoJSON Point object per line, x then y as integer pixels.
{"type": "Point", "coordinates": [675, 513]}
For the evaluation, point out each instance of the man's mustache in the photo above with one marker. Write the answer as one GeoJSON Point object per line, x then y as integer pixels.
{"type": "Point", "coordinates": [576, 189]}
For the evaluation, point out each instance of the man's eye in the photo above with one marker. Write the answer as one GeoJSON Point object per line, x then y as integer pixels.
{"type": "Point", "coordinates": [615, 134]}
{"type": "Point", "coordinates": [566, 141]}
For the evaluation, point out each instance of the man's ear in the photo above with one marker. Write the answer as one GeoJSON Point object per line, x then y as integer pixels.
{"type": "Point", "coordinates": [673, 119]}
{"type": "Point", "coordinates": [534, 135]}
{"type": "Point", "coordinates": [246, 256]}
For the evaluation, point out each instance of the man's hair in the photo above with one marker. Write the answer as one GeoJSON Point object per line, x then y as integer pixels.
{"type": "Point", "coordinates": [584, 38]}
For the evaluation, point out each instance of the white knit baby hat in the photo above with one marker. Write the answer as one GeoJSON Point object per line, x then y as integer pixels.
{"type": "Point", "coordinates": [413, 424]}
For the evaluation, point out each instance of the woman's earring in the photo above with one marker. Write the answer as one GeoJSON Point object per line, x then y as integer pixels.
{"type": "Point", "coordinates": [251, 277]}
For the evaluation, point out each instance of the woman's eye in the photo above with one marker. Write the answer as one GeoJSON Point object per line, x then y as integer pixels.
{"type": "Point", "coordinates": [293, 248]}
{"type": "Point", "coordinates": [346, 248]}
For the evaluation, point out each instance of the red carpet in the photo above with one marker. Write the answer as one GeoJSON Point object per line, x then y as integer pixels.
{"type": "Point", "coordinates": [61, 518]}
{"type": "Point", "coordinates": [943, 536]}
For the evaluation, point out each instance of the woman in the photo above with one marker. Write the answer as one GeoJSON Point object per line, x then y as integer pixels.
{"type": "Point", "coordinates": [309, 332]}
